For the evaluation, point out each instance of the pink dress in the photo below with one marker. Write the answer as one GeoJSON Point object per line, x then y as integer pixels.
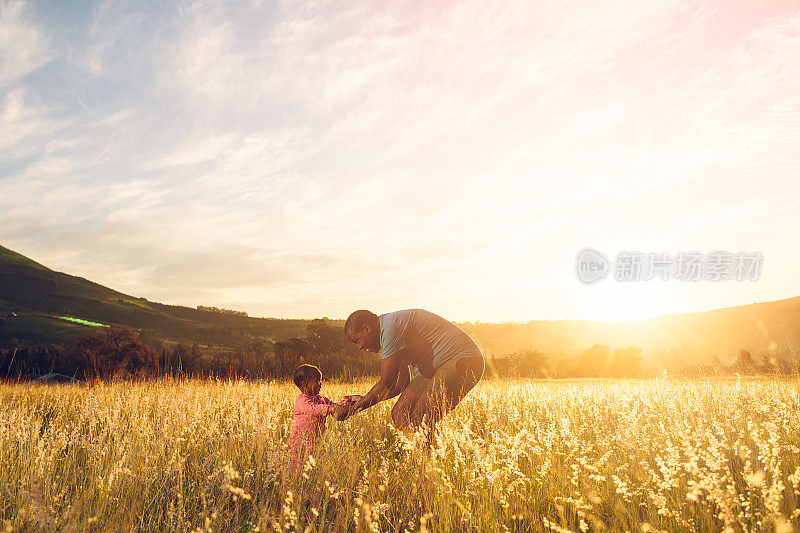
{"type": "Point", "coordinates": [309, 423]}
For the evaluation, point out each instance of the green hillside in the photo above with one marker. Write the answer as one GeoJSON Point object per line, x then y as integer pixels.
{"type": "Point", "coordinates": [39, 295]}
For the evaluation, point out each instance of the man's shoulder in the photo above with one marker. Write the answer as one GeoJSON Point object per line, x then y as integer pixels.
{"type": "Point", "coordinates": [398, 321]}
{"type": "Point", "coordinates": [394, 330]}
{"type": "Point", "coordinates": [402, 314]}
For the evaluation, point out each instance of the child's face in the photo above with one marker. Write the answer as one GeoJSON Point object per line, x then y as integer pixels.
{"type": "Point", "coordinates": [312, 386]}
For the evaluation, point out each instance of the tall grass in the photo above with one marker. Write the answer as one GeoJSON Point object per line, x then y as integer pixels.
{"type": "Point", "coordinates": [514, 456]}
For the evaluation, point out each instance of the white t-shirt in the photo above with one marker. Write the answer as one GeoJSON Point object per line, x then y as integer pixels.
{"type": "Point", "coordinates": [433, 340]}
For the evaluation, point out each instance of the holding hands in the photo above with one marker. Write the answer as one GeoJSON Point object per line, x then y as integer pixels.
{"type": "Point", "coordinates": [351, 399]}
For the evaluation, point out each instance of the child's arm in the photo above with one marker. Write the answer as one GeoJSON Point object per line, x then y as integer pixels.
{"type": "Point", "coordinates": [306, 406]}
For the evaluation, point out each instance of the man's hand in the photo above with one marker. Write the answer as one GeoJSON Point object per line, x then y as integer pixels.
{"type": "Point", "coordinates": [351, 399]}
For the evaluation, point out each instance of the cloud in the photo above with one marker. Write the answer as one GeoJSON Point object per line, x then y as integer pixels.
{"type": "Point", "coordinates": [23, 44]}
{"type": "Point", "coordinates": [25, 126]}
{"type": "Point", "coordinates": [312, 154]}
{"type": "Point", "coordinates": [24, 48]}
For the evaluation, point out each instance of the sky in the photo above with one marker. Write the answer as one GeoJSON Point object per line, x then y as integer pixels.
{"type": "Point", "coordinates": [307, 159]}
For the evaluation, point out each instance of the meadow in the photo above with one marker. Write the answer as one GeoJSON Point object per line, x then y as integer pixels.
{"type": "Point", "coordinates": [657, 455]}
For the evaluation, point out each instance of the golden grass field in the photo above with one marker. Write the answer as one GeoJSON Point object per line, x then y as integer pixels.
{"type": "Point", "coordinates": [670, 455]}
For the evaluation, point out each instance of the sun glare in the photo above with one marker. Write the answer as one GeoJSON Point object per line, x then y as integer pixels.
{"type": "Point", "coordinates": [629, 301]}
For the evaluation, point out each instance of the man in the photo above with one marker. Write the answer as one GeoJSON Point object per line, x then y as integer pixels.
{"type": "Point", "coordinates": [446, 360]}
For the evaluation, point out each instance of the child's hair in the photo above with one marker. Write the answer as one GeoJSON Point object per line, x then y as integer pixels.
{"type": "Point", "coordinates": [305, 372]}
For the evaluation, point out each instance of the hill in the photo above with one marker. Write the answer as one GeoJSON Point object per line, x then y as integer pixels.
{"type": "Point", "coordinates": [39, 296]}
{"type": "Point", "coordinates": [684, 339]}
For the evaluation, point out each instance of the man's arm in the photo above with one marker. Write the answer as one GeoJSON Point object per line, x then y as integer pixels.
{"type": "Point", "coordinates": [403, 379]}
{"type": "Point", "coordinates": [393, 368]}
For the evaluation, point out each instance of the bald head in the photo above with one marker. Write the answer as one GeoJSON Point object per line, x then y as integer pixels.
{"type": "Point", "coordinates": [357, 320]}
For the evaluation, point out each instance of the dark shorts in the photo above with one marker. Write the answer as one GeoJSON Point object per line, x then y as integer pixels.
{"type": "Point", "coordinates": [455, 378]}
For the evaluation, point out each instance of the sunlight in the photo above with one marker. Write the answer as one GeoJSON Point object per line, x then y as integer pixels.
{"type": "Point", "coordinates": [630, 300]}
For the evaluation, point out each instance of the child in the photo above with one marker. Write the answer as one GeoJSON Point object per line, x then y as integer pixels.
{"type": "Point", "coordinates": [310, 411]}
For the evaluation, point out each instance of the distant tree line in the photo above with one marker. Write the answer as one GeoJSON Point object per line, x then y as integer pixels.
{"type": "Point", "coordinates": [120, 353]}
{"type": "Point", "coordinates": [597, 361]}
{"type": "Point", "coordinates": [768, 362]}
{"type": "Point", "coordinates": [603, 362]}
{"type": "Point", "coordinates": [220, 311]}
{"type": "Point", "coordinates": [116, 352]}
{"type": "Point", "coordinates": [323, 345]}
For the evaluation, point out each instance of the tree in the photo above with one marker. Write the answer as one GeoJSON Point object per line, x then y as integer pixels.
{"type": "Point", "coordinates": [252, 357]}
{"type": "Point", "coordinates": [716, 365]}
{"type": "Point", "coordinates": [527, 364]}
{"type": "Point", "coordinates": [624, 362]}
{"type": "Point", "coordinates": [593, 361]}
{"type": "Point", "coordinates": [745, 363]}
{"type": "Point", "coordinates": [118, 354]}
{"type": "Point", "coordinates": [768, 363]}
{"type": "Point", "coordinates": [290, 354]}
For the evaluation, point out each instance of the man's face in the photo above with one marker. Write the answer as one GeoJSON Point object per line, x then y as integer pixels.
{"type": "Point", "coordinates": [365, 339]}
